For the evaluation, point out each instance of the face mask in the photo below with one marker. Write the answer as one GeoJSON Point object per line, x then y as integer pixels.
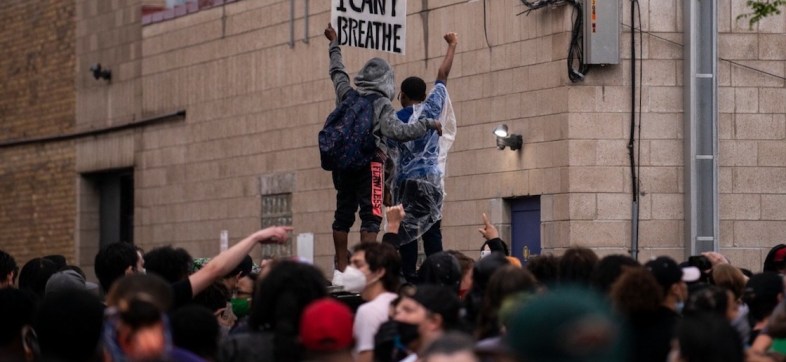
{"type": "Point", "coordinates": [240, 307]}
{"type": "Point", "coordinates": [354, 280]}
{"type": "Point", "coordinates": [407, 332]}
{"type": "Point", "coordinates": [484, 253]}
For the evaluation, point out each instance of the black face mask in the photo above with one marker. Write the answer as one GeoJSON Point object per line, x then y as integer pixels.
{"type": "Point", "coordinates": [407, 332]}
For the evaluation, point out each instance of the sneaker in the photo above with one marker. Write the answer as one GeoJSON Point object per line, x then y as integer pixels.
{"type": "Point", "coordinates": [338, 278]}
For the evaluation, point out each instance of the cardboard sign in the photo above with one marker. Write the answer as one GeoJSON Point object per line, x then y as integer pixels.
{"type": "Point", "coordinates": [371, 24]}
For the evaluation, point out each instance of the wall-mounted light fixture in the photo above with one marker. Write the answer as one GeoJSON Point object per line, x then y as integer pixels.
{"type": "Point", "coordinates": [512, 140]}
{"type": "Point", "coordinates": [100, 73]}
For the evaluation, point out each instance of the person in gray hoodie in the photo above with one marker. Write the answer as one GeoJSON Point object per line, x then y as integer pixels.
{"type": "Point", "coordinates": [354, 187]}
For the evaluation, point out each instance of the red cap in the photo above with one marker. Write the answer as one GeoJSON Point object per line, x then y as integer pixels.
{"type": "Point", "coordinates": [326, 325]}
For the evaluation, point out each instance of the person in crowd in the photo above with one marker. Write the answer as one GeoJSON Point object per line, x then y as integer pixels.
{"type": "Point", "coordinates": [712, 299]}
{"type": "Point", "coordinates": [763, 292]}
{"type": "Point", "coordinates": [326, 331]}
{"type": "Point", "coordinates": [34, 275]}
{"type": "Point", "coordinates": [196, 332]}
{"type": "Point", "coordinates": [118, 259]}
{"type": "Point", "coordinates": [492, 241]}
{"type": "Point", "coordinates": [450, 347]}
{"type": "Point", "coordinates": [706, 337]}
{"type": "Point", "coordinates": [428, 313]}
{"type": "Point", "coordinates": [69, 279]}
{"type": "Point", "coordinates": [776, 260]}
{"type": "Point", "coordinates": [651, 299]}
{"type": "Point", "coordinates": [732, 279]}
{"type": "Point", "coordinates": [136, 327]}
{"type": "Point", "coordinates": [576, 266]}
{"type": "Point", "coordinates": [8, 270]}
{"type": "Point", "coordinates": [440, 268]}
{"type": "Point", "coordinates": [67, 327]}
{"type": "Point", "coordinates": [114, 261]}
{"type": "Point", "coordinates": [417, 176]}
{"type": "Point", "coordinates": [59, 260]}
{"type": "Point", "coordinates": [17, 309]}
{"type": "Point", "coordinates": [466, 263]}
{"type": "Point", "coordinates": [481, 274]}
{"type": "Point", "coordinates": [545, 268]}
{"type": "Point", "coordinates": [354, 187]}
{"type": "Point", "coordinates": [374, 273]}
{"type": "Point", "coordinates": [279, 301]}
{"type": "Point", "coordinates": [215, 298]}
{"type": "Point", "coordinates": [608, 269]}
{"type": "Point", "coordinates": [506, 281]}
{"type": "Point", "coordinates": [172, 264]}
{"type": "Point", "coordinates": [567, 325]}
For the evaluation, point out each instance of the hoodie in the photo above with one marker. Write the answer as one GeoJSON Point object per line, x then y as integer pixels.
{"type": "Point", "coordinates": [377, 76]}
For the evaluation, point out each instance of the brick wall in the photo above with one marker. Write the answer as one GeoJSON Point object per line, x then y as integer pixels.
{"type": "Point", "coordinates": [37, 213]}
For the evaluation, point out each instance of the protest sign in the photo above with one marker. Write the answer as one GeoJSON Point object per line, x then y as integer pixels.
{"type": "Point", "coordinates": [371, 24]}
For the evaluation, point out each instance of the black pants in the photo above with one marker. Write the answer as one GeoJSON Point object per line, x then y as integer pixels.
{"type": "Point", "coordinates": [355, 189]}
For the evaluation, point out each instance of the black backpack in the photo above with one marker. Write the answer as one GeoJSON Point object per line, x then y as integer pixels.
{"type": "Point", "coordinates": [346, 142]}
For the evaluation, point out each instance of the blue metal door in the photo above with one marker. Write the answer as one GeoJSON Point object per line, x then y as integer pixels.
{"type": "Point", "coordinates": [525, 227]}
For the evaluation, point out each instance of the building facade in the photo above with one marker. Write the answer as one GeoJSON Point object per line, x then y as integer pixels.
{"type": "Point", "coordinates": [209, 123]}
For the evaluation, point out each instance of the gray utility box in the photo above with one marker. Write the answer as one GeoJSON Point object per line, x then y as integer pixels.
{"type": "Point", "coordinates": [601, 31]}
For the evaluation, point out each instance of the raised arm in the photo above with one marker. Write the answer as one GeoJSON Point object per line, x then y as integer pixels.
{"type": "Point", "coordinates": [225, 262]}
{"type": "Point", "coordinates": [447, 63]}
{"type": "Point", "coordinates": [391, 127]}
{"type": "Point", "coordinates": [337, 73]}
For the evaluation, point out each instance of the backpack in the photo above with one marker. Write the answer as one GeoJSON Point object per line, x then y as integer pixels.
{"type": "Point", "coordinates": [346, 142]}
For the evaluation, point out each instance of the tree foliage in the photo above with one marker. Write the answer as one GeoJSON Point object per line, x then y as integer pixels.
{"type": "Point", "coordinates": [761, 9]}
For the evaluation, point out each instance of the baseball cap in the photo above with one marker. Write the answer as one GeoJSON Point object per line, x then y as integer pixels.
{"type": "Point", "coordinates": [667, 272]}
{"type": "Point", "coordinates": [326, 325]}
{"type": "Point", "coordinates": [439, 300]}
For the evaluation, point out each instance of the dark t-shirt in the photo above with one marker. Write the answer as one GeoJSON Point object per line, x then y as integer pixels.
{"type": "Point", "coordinates": [181, 293]}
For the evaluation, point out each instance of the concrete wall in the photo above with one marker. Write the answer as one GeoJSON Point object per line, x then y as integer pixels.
{"type": "Point", "coordinates": [255, 106]}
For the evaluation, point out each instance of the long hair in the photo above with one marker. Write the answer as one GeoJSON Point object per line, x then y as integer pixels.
{"type": "Point", "coordinates": [506, 281]}
{"type": "Point", "coordinates": [279, 301]}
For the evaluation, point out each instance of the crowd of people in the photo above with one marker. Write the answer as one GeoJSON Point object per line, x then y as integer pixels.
{"type": "Point", "coordinates": [163, 305]}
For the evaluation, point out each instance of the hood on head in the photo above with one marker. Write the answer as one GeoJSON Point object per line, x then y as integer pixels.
{"type": "Point", "coordinates": [376, 77]}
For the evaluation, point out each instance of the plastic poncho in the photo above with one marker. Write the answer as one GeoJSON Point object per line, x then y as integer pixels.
{"type": "Point", "coordinates": [417, 175]}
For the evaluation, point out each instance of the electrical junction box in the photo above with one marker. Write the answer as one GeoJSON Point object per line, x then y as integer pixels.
{"type": "Point", "coordinates": [601, 31]}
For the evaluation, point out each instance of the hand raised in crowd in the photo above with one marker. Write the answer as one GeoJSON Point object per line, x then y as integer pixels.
{"type": "Point", "coordinates": [272, 235]}
{"type": "Point", "coordinates": [488, 230]}
{"type": "Point", "coordinates": [715, 258]}
{"type": "Point", "coordinates": [451, 38]}
{"type": "Point", "coordinates": [330, 33]}
{"type": "Point", "coordinates": [394, 215]}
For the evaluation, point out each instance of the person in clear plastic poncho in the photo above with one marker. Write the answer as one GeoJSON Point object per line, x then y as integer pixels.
{"type": "Point", "coordinates": [417, 168]}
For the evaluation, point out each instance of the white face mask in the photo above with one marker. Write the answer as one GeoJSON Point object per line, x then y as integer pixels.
{"type": "Point", "coordinates": [484, 253]}
{"type": "Point", "coordinates": [354, 279]}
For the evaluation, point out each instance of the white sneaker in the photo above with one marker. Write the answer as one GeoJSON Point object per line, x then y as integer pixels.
{"type": "Point", "coordinates": [338, 278]}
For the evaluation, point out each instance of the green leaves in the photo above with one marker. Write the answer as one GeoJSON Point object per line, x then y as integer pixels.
{"type": "Point", "coordinates": [761, 9]}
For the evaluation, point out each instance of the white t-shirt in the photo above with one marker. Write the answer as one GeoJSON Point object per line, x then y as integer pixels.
{"type": "Point", "coordinates": [369, 317]}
